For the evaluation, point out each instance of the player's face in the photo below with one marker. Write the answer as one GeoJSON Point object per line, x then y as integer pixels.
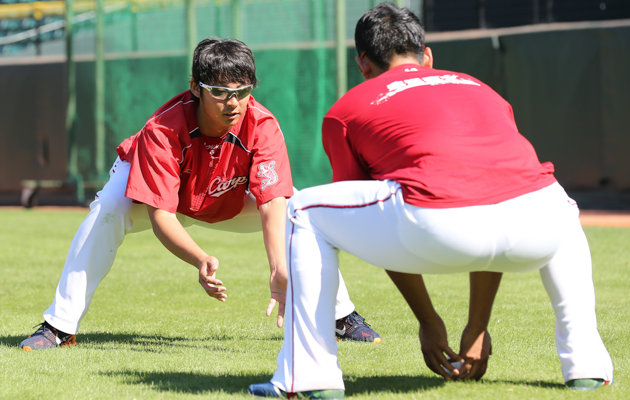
{"type": "Point", "coordinates": [216, 115]}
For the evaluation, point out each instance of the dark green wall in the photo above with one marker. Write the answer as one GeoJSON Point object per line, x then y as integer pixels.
{"type": "Point", "coordinates": [570, 91]}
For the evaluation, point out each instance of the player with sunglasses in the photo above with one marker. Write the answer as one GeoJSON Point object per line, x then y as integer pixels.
{"type": "Point", "coordinates": [211, 156]}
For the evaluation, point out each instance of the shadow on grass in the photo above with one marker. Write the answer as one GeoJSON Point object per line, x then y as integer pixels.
{"type": "Point", "coordinates": [195, 383]}
{"type": "Point", "coordinates": [406, 384]}
{"type": "Point", "coordinates": [188, 382]}
{"type": "Point", "coordinates": [540, 384]}
{"type": "Point", "coordinates": [106, 339]}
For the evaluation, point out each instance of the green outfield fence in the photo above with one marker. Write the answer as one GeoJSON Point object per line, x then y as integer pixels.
{"type": "Point", "coordinates": [132, 56]}
{"type": "Point", "coordinates": [61, 122]}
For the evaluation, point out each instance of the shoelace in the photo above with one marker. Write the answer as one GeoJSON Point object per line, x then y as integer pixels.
{"type": "Point", "coordinates": [43, 327]}
{"type": "Point", "coordinates": [353, 321]}
{"type": "Point", "coordinates": [357, 318]}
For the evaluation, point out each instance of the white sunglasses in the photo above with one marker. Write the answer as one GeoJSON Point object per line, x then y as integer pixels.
{"type": "Point", "coordinates": [224, 93]}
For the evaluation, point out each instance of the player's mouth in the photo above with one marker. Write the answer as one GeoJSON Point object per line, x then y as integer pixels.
{"type": "Point", "coordinates": [232, 115]}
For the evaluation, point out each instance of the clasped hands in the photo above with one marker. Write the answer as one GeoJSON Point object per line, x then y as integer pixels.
{"type": "Point", "coordinates": [475, 350]}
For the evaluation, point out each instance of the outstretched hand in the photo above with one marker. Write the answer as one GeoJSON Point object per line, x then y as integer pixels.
{"type": "Point", "coordinates": [476, 348]}
{"type": "Point", "coordinates": [434, 344]}
{"type": "Point", "coordinates": [278, 287]}
{"type": "Point", "coordinates": [208, 267]}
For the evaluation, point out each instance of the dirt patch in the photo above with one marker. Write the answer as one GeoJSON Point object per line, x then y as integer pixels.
{"type": "Point", "coordinates": [606, 218]}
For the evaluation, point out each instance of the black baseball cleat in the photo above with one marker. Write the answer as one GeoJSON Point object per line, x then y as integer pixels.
{"type": "Point", "coordinates": [47, 337]}
{"type": "Point", "coordinates": [353, 327]}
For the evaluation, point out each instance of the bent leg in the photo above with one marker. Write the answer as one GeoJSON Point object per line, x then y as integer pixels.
{"type": "Point", "coordinates": [92, 252]}
{"type": "Point", "coordinates": [308, 358]}
{"type": "Point", "coordinates": [568, 282]}
{"type": "Point", "coordinates": [343, 305]}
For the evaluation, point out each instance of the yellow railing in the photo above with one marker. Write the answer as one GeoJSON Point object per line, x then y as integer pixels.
{"type": "Point", "coordinates": [40, 9]}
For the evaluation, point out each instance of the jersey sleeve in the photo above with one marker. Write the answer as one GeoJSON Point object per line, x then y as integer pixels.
{"type": "Point", "coordinates": [343, 160]}
{"type": "Point", "coordinates": [154, 175]}
{"type": "Point", "coordinates": [270, 173]}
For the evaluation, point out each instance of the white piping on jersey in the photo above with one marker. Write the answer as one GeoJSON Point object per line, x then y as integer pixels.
{"type": "Point", "coordinates": [163, 112]}
{"type": "Point", "coordinates": [184, 149]}
{"type": "Point", "coordinates": [277, 124]}
{"type": "Point", "coordinates": [399, 86]}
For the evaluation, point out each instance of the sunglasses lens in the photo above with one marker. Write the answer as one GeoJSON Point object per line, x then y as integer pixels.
{"type": "Point", "coordinates": [241, 94]}
{"type": "Point", "coordinates": [222, 94]}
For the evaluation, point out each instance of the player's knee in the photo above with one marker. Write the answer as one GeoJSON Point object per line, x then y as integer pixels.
{"type": "Point", "coordinates": [112, 204]}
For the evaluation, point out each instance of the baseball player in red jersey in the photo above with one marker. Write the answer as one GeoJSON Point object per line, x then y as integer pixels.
{"type": "Point", "coordinates": [431, 176]}
{"type": "Point", "coordinates": [212, 156]}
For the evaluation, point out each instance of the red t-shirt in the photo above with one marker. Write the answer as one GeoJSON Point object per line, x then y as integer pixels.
{"type": "Point", "coordinates": [176, 168]}
{"type": "Point", "coordinates": [447, 138]}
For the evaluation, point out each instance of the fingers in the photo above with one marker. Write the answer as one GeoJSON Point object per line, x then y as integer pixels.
{"type": "Point", "coordinates": [438, 363]}
{"type": "Point", "coordinates": [270, 306]}
{"type": "Point", "coordinates": [207, 278]}
{"type": "Point", "coordinates": [214, 291]}
{"type": "Point", "coordinates": [473, 370]}
{"type": "Point", "coordinates": [280, 314]}
{"type": "Point", "coordinates": [477, 349]}
{"type": "Point", "coordinates": [207, 273]}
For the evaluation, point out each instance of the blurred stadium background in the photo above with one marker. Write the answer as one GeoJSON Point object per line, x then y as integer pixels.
{"type": "Point", "coordinates": [562, 64]}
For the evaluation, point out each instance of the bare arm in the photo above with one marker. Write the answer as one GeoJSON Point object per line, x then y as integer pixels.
{"type": "Point", "coordinates": [175, 238]}
{"type": "Point", "coordinates": [273, 217]}
{"type": "Point", "coordinates": [433, 337]}
{"type": "Point", "coordinates": [476, 345]}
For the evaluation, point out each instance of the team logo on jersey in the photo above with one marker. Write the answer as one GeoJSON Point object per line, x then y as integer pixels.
{"type": "Point", "coordinates": [219, 186]}
{"type": "Point", "coordinates": [268, 171]}
{"type": "Point", "coordinates": [400, 86]}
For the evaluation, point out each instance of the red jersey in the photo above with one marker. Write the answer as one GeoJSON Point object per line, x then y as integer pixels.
{"type": "Point", "coordinates": [448, 139]}
{"type": "Point", "coordinates": [176, 168]}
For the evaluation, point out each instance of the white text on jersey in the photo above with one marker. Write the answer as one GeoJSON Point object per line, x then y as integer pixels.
{"type": "Point", "coordinates": [399, 86]}
{"type": "Point", "coordinates": [218, 186]}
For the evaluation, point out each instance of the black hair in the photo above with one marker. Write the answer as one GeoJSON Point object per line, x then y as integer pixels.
{"type": "Point", "coordinates": [386, 31]}
{"type": "Point", "coordinates": [220, 62]}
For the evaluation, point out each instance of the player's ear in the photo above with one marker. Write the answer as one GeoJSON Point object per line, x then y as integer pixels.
{"type": "Point", "coordinates": [428, 58]}
{"type": "Point", "coordinates": [364, 66]}
{"type": "Point", "coordinates": [194, 88]}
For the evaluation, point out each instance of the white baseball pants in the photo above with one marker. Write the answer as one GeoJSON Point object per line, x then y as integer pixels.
{"type": "Point", "coordinates": [94, 247]}
{"type": "Point", "coordinates": [536, 231]}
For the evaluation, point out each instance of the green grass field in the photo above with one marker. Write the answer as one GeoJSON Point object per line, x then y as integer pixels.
{"type": "Point", "coordinates": [152, 333]}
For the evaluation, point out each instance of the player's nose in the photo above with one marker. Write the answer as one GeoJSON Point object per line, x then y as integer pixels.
{"type": "Point", "coordinates": [233, 100]}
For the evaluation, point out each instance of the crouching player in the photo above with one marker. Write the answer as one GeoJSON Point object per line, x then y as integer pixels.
{"type": "Point", "coordinates": [431, 176]}
{"type": "Point", "coordinates": [211, 156]}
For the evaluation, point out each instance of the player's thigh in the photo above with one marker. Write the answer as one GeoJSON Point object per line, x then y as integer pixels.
{"type": "Point", "coordinates": [370, 220]}
{"type": "Point", "coordinates": [110, 202]}
{"type": "Point", "coordinates": [534, 227]}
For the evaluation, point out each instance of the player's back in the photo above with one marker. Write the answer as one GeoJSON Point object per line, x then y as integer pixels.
{"type": "Point", "coordinates": [450, 140]}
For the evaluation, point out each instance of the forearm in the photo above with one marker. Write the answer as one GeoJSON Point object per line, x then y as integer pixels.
{"type": "Point", "coordinates": [412, 287]}
{"type": "Point", "coordinates": [174, 237]}
{"type": "Point", "coordinates": [483, 290]}
{"type": "Point", "coordinates": [273, 218]}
